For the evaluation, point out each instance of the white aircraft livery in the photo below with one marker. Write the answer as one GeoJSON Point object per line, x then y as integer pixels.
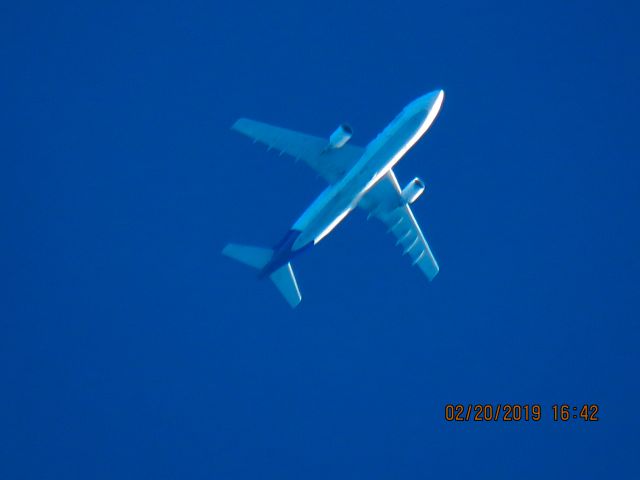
{"type": "Point", "coordinates": [357, 177]}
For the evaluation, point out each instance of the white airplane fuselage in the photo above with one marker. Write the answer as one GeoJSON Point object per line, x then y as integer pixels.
{"type": "Point", "coordinates": [336, 201]}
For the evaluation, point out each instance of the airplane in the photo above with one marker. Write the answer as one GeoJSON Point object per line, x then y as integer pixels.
{"type": "Point", "coordinates": [357, 177]}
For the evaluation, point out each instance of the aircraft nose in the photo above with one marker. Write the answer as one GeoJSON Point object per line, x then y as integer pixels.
{"type": "Point", "coordinates": [432, 100]}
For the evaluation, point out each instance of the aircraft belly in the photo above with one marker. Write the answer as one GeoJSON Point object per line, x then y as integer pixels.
{"type": "Point", "coordinates": [337, 200]}
{"type": "Point", "coordinates": [324, 214]}
{"type": "Point", "coordinates": [393, 145]}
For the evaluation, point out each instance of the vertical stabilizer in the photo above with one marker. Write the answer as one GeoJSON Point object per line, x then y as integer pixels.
{"type": "Point", "coordinates": [285, 280]}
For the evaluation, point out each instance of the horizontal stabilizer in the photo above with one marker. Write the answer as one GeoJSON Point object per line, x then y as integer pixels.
{"type": "Point", "coordinates": [256, 257]}
{"type": "Point", "coordinates": [285, 280]}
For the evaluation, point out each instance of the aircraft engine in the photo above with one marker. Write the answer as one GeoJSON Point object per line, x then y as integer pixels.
{"type": "Point", "coordinates": [340, 136]}
{"type": "Point", "coordinates": [413, 190]}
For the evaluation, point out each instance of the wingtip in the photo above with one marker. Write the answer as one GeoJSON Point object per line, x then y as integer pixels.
{"type": "Point", "coordinates": [431, 271]}
{"type": "Point", "coordinates": [294, 304]}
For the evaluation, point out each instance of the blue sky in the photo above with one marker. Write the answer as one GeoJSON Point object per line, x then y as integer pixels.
{"type": "Point", "coordinates": [130, 348]}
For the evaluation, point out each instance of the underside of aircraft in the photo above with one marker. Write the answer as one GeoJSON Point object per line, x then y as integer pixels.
{"type": "Point", "coordinates": [357, 177]}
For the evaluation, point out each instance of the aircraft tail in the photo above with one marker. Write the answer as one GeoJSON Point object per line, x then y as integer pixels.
{"type": "Point", "coordinates": [285, 280]}
{"type": "Point", "coordinates": [258, 257]}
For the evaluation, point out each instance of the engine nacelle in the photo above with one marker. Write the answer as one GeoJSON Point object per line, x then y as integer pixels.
{"type": "Point", "coordinates": [340, 136]}
{"type": "Point", "coordinates": [413, 190]}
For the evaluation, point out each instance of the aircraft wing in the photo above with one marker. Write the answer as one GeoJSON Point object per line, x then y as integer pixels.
{"type": "Point", "coordinates": [331, 164]}
{"type": "Point", "coordinates": [384, 202]}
